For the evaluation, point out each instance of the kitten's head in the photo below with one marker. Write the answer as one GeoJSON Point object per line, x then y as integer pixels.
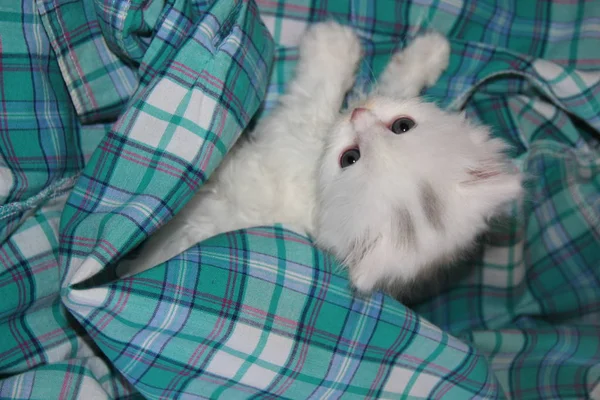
{"type": "Point", "coordinates": [404, 186]}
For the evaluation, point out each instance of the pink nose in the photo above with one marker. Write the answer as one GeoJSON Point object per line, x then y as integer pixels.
{"type": "Point", "coordinates": [356, 112]}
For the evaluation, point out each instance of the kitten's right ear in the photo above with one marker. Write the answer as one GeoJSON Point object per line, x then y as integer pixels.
{"type": "Point", "coordinates": [492, 180]}
{"type": "Point", "coordinates": [491, 185]}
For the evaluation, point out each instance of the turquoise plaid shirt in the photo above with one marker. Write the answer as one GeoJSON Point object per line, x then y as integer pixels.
{"type": "Point", "coordinates": [115, 112]}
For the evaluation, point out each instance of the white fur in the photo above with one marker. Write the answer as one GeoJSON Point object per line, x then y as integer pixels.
{"type": "Point", "coordinates": [287, 170]}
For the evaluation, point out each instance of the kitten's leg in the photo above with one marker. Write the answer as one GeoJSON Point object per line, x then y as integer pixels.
{"type": "Point", "coordinates": [328, 57]}
{"type": "Point", "coordinates": [416, 67]}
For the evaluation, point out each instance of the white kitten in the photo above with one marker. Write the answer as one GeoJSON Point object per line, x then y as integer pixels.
{"type": "Point", "coordinates": [393, 187]}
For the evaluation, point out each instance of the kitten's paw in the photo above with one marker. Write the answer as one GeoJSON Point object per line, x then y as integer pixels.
{"type": "Point", "coordinates": [429, 54]}
{"type": "Point", "coordinates": [417, 66]}
{"type": "Point", "coordinates": [331, 40]}
{"type": "Point", "coordinates": [365, 281]}
{"type": "Point", "coordinates": [332, 50]}
{"type": "Point", "coordinates": [362, 282]}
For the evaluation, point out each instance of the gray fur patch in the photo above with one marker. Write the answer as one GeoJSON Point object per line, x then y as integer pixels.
{"type": "Point", "coordinates": [407, 233]}
{"type": "Point", "coordinates": [432, 206]}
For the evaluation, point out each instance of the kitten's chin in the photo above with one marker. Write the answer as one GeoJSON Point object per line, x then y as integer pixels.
{"type": "Point", "coordinates": [398, 267]}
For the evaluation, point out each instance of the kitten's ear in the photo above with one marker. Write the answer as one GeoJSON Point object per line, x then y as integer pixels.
{"type": "Point", "coordinates": [492, 184]}
{"type": "Point", "coordinates": [493, 180]}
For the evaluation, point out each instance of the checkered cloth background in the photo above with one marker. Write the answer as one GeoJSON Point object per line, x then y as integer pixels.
{"type": "Point", "coordinates": [113, 113]}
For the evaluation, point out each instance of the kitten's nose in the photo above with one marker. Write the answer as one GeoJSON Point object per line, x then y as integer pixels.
{"type": "Point", "coordinates": [356, 112]}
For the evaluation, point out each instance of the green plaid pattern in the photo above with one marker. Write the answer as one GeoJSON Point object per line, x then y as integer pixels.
{"type": "Point", "coordinates": [115, 112]}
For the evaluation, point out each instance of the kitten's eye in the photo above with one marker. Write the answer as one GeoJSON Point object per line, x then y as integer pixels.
{"type": "Point", "coordinates": [349, 157]}
{"type": "Point", "coordinates": [402, 125]}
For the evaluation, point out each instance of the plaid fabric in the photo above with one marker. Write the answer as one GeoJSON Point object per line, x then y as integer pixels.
{"type": "Point", "coordinates": [114, 113]}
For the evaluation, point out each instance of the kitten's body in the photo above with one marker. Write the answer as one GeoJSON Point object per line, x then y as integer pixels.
{"type": "Point", "coordinates": [269, 176]}
{"type": "Point", "coordinates": [287, 170]}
